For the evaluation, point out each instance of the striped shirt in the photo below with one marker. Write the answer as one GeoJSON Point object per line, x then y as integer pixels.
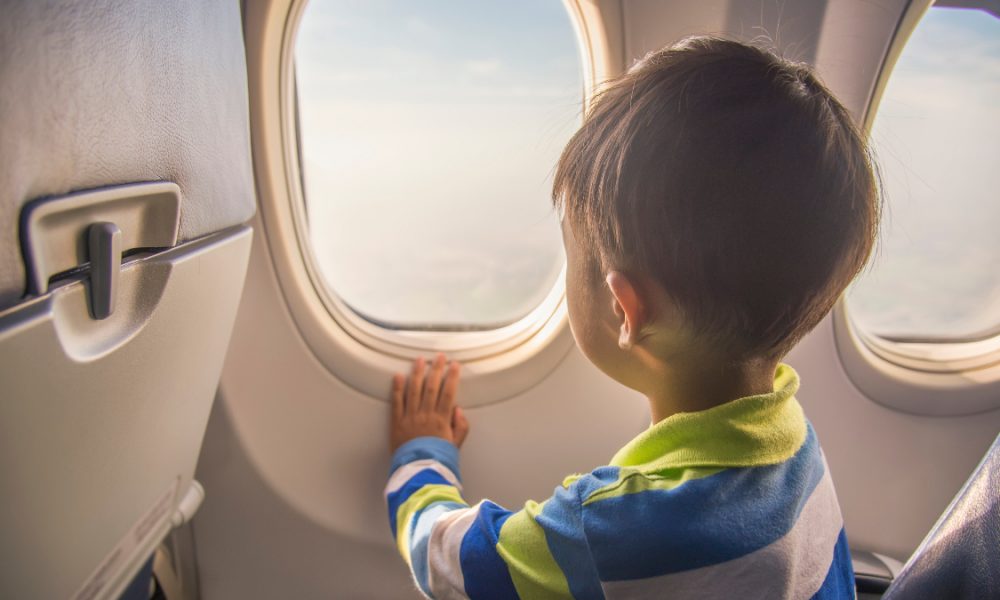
{"type": "Point", "coordinates": [733, 501]}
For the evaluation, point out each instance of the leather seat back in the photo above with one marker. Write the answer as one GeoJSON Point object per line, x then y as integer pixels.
{"type": "Point", "coordinates": [960, 557]}
{"type": "Point", "coordinates": [125, 186]}
{"type": "Point", "coordinates": [104, 92]}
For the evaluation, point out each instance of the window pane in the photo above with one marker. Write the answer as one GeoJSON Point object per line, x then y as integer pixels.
{"type": "Point", "coordinates": [429, 132]}
{"type": "Point", "coordinates": [937, 137]}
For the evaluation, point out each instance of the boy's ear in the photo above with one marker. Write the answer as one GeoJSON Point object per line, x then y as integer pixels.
{"type": "Point", "coordinates": [628, 306]}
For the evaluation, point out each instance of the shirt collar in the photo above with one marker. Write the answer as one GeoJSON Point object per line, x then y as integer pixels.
{"type": "Point", "coordinates": [751, 431]}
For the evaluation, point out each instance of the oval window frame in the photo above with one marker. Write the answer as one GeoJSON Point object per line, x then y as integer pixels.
{"type": "Point", "coordinates": [912, 376]}
{"type": "Point", "coordinates": [498, 363]}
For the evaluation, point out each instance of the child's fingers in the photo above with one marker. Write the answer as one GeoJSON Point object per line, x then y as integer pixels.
{"type": "Point", "coordinates": [416, 386]}
{"type": "Point", "coordinates": [450, 389]}
{"type": "Point", "coordinates": [433, 384]}
{"type": "Point", "coordinates": [459, 426]}
{"type": "Point", "coordinates": [398, 386]}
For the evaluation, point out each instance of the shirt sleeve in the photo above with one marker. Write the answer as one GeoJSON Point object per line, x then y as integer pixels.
{"type": "Point", "coordinates": [484, 551]}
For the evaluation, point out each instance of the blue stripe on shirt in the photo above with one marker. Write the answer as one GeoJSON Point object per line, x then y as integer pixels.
{"type": "Point", "coordinates": [595, 480]}
{"type": "Point", "coordinates": [412, 485]}
{"type": "Point", "coordinates": [724, 516]}
{"type": "Point", "coordinates": [563, 525]}
{"type": "Point", "coordinates": [839, 582]}
{"type": "Point", "coordinates": [485, 572]}
{"type": "Point", "coordinates": [431, 447]}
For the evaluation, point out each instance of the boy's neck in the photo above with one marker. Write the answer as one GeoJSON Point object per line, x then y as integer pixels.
{"type": "Point", "coordinates": [700, 385]}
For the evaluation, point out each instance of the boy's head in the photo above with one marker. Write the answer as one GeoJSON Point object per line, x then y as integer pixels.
{"type": "Point", "coordinates": [728, 184]}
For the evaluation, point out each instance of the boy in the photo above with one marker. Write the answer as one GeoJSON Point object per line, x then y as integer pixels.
{"type": "Point", "coordinates": [717, 201]}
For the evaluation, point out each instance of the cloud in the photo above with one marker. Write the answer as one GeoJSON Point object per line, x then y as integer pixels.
{"type": "Point", "coordinates": [419, 26]}
{"type": "Point", "coordinates": [935, 135]}
{"type": "Point", "coordinates": [483, 66]}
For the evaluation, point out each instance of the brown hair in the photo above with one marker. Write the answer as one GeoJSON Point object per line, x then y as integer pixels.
{"type": "Point", "coordinates": [734, 179]}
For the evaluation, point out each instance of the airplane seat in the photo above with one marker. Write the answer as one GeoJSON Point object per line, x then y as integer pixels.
{"type": "Point", "coordinates": [873, 572]}
{"type": "Point", "coordinates": [959, 558]}
{"type": "Point", "coordinates": [125, 189]}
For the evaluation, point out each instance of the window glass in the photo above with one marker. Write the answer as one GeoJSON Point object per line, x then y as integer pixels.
{"type": "Point", "coordinates": [428, 136]}
{"type": "Point", "coordinates": [936, 273]}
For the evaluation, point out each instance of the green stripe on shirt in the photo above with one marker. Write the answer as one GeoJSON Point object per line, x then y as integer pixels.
{"type": "Point", "coordinates": [749, 432]}
{"type": "Point", "coordinates": [523, 547]}
{"type": "Point", "coordinates": [425, 496]}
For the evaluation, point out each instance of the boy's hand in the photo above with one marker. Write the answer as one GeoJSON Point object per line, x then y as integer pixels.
{"type": "Point", "coordinates": [426, 405]}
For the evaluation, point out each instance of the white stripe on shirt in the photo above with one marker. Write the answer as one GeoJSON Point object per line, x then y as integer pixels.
{"type": "Point", "coordinates": [794, 566]}
{"type": "Point", "coordinates": [445, 576]}
{"type": "Point", "coordinates": [403, 474]}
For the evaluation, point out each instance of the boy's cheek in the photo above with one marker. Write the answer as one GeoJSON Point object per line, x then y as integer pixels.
{"type": "Point", "coordinates": [596, 344]}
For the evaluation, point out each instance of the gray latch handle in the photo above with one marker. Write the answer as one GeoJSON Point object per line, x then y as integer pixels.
{"type": "Point", "coordinates": [104, 242]}
{"type": "Point", "coordinates": [96, 227]}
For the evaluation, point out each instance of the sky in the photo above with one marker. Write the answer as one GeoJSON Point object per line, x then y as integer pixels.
{"type": "Point", "coordinates": [430, 130]}
{"type": "Point", "coordinates": [936, 135]}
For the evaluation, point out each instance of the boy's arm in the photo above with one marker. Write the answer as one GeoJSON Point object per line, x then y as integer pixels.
{"type": "Point", "coordinates": [484, 551]}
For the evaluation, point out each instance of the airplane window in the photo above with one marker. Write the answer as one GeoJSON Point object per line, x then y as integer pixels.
{"type": "Point", "coordinates": [428, 135]}
{"type": "Point", "coordinates": [935, 275]}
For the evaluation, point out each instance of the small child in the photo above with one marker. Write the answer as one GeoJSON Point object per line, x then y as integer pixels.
{"type": "Point", "coordinates": [717, 200]}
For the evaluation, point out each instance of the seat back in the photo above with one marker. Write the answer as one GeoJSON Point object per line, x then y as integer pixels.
{"type": "Point", "coordinates": [960, 557]}
{"type": "Point", "coordinates": [125, 186]}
